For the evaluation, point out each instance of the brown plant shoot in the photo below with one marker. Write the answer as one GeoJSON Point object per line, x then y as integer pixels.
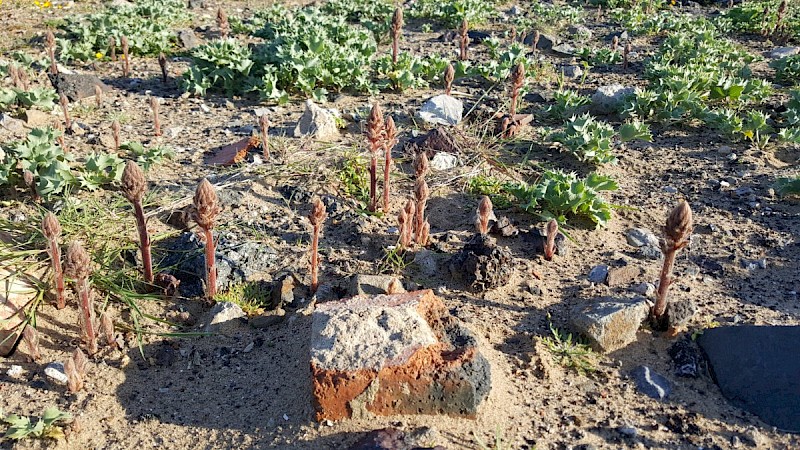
{"type": "Point", "coordinates": [154, 106]}
{"type": "Point", "coordinates": [397, 28]}
{"type": "Point", "coordinates": [134, 186]}
{"type": "Point", "coordinates": [162, 62]}
{"type": "Point", "coordinates": [50, 44]}
{"type": "Point", "coordinates": [483, 213]}
{"type": "Point", "coordinates": [51, 230]}
{"type": "Point", "coordinates": [375, 134]}
{"type": "Point", "coordinates": [676, 236]}
{"type": "Point", "coordinates": [74, 380]}
{"type": "Point", "coordinates": [62, 99]}
{"type": "Point", "coordinates": [421, 193]}
{"type": "Point", "coordinates": [449, 76]}
{"type": "Point", "coordinates": [464, 33]}
{"type": "Point", "coordinates": [31, 339]}
{"type": "Point", "coordinates": [30, 181]}
{"type": "Point", "coordinates": [98, 95]}
{"type": "Point", "coordinates": [550, 240]}
{"type": "Point", "coordinates": [316, 217]}
{"type": "Point", "coordinates": [536, 37]}
{"type": "Point", "coordinates": [222, 23]}
{"type": "Point", "coordinates": [421, 165]}
{"type": "Point", "coordinates": [126, 64]}
{"type": "Point", "coordinates": [517, 80]}
{"type": "Point", "coordinates": [115, 131]}
{"type": "Point", "coordinates": [626, 56]}
{"type": "Point", "coordinates": [107, 329]}
{"type": "Point", "coordinates": [24, 81]}
{"type": "Point", "coordinates": [77, 266]}
{"type": "Point", "coordinates": [112, 46]}
{"type": "Point", "coordinates": [410, 210]}
{"type": "Point", "coordinates": [390, 132]}
{"type": "Point", "coordinates": [206, 209]}
{"type": "Point", "coordinates": [263, 126]}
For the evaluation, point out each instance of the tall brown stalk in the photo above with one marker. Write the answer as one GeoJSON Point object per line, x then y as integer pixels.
{"type": "Point", "coordinates": [156, 118]}
{"type": "Point", "coordinates": [676, 236]}
{"type": "Point", "coordinates": [222, 23]}
{"type": "Point", "coordinates": [626, 56]}
{"type": "Point", "coordinates": [52, 232]}
{"type": "Point", "coordinates": [126, 65]}
{"type": "Point", "coordinates": [483, 214]}
{"type": "Point", "coordinates": [517, 80]}
{"type": "Point", "coordinates": [536, 37]}
{"type": "Point", "coordinates": [375, 136]}
{"type": "Point", "coordinates": [449, 75]}
{"type": "Point", "coordinates": [206, 209]}
{"type": "Point", "coordinates": [115, 132]}
{"type": "Point", "coordinates": [134, 186]}
{"type": "Point", "coordinates": [162, 62]}
{"type": "Point", "coordinates": [397, 28]}
{"type": "Point", "coordinates": [316, 217]}
{"type": "Point", "coordinates": [263, 125]}
{"type": "Point", "coordinates": [390, 131]}
{"type": "Point", "coordinates": [464, 33]}
{"type": "Point", "coordinates": [98, 95]}
{"type": "Point", "coordinates": [407, 233]}
{"type": "Point", "coordinates": [50, 42]}
{"type": "Point", "coordinates": [77, 266]}
{"type": "Point", "coordinates": [62, 99]}
{"type": "Point", "coordinates": [421, 193]}
{"type": "Point", "coordinates": [550, 240]}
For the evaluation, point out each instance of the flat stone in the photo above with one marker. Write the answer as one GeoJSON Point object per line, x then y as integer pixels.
{"type": "Point", "coordinates": [317, 122]}
{"type": "Point", "coordinates": [620, 276]}
{"type": "Point", "coordinates": [608, 99]}
{"type": "Point", "coordinates": [639, 237]}
{"type": "Point", "coordinates": [572, 71]}
{"type": "Point", "coordinates": [373, 284]}
{"type": "Point", "coordinates": [564, 50]}
{"type": "Point", "coordinates": [756, 368]}
{"type": "Point", "coordinates": [783, 52]}
{"type": "Point", "coordinates": [546, 41]}
{"type": "Point", "coordinates": [394, 354]}
{"type": "Point", "coordinates": [650, 252]}
{"type": "Point", "coordinates": [651, 383]}
{"type": "Point", "coordinates": [222, 314]}
{"type": "Point", "coordinates": [646, 289]}
{"type": "Point", "coordinates": [579, 33]}
{"type": "Point", "coordinates": [393, 439]}
{"type": "Point", "coordinates": [37, 119]}
{"type": "Point", "coordinates": [15, 294]}
{"type": "Point", "coordinates": [598, 274]}
{"type": "Point", "coordinates": [442, 110]}
{"type": "Point", "coordinates": [76, 86]}
{"type": "Point", "coordinates": [610, 324]}
{"type": "Point", "coordinates": [55, 373]}
{"type": "Point", "coordinates": [444, 161]}
{"type": "Point", "coordinates": [187, 39]}
{"type": "Point", "coordinates": [11, 124]}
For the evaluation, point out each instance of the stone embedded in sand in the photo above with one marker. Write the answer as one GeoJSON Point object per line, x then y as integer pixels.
{"type": "Point", "coordinates": [610, 324]}
{"type": "Point", "coordinates": [317, 122]}
{"type": "Point", "coordinates": [482, 264]}
{"type": "Point", "coordinates": [442, 110]}
{"type": "Point", "coordinates": [76, 86]}
{"type": "Point", "coordinates": [374, 284]}
{"type": "Point", "coordinates": [394, 354]}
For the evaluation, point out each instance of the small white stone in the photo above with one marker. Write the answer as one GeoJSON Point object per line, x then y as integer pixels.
{"type": "Point", "coordinates": [14, 371]}
{"type": "Point", "coordinates": [55, 372]}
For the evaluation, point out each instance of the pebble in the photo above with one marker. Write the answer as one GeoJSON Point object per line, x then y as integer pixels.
{"type": "Point", "coordinates": [14, 371]}
{"type": "Point", "coordinates": [205, 108]}
{"type": "Point", "coordinates": [646, 289]}
{"type": "Point", "coordinates": [628, 430]}
{"type": "Point", "coordinates": [639, 237]}
{"type": "Point", "coordinates": [55, 372]}
{"type": "Point", "coordinates": [598, 274]}
{"type": "Point", "coordinates": [670, 189]}
{"type": "Point", "coordinates": [651, 383]}
{"type": "Point", "coordinates": [753, 265]}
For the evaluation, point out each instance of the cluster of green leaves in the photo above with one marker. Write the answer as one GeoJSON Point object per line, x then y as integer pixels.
{"type": "Point", "coordinates": [788, 186]}
{"type": "Point", "coordinates": [21, 427]}
{"type": "Point", "coordinates": [592, 140]}
{"type": "Point", "coordinates": [559, 195]}
{"type": "Point", "coordinates": [221, 64]}
{"type": "Point", "coordinates": [500, 63]}
{"type": "Point", "coordinates": [569, 352]}
{"type": "Point", "coordinates": [52, 168]}
{"type": "Point", "coordinates": [37, 97]}
{"type": "Point", "coordinates": [452, 12]}
{"type": "Point", "coordinates": [410, 72]}
{"type": "Point", "coordinates": [567, 102]}
{"type": "Point", "coordinates": [147, 24]}
{"type": "Point", "coordinates": [376, 16]}
{"type": "Point", "coordinates": [254, 297]}
{"type": "Point", "coordinates": [749, 17]}
{"type": "Point", "coordinates": [787, 70]}
{"type": "Point", "coordinates": [599, 57]}
{"type": "Point", "coordinates": [547, 16]}
{"type": "Point", "coordinates": [354, 178]}
{"type": "Point", "coordinates": [639, 20]}
{"type": "Point", "coordinates": [492, 187]}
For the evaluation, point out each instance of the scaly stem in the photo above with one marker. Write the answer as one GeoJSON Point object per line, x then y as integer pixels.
{"type": "Point", "coordinates": [373, 181]}
{"type": "Point", "coordinates": [386, 169]}
{"type": "Point", "coordinates": [664, 281]}
{"type": "Point", "coordinates": [211, 270]}
{"type": "Point", "coordinates": [314, 259]}
{"type": "Point", "coordinates": [55, 258]}
{"type": "Point", "coordinates": [87, 315]}
{"type": "Point", "coordinates": [144, 241]}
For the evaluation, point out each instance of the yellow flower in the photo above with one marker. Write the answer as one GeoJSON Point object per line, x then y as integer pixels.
{"type": "Point", "coordinates": [99, 55]}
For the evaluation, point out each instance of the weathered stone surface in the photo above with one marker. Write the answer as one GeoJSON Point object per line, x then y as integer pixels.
{"type": "Point", "coordinates": [783, 52]}
{"type": "Point", "coordinates": [15, 294]}
{"type": "Point", "coordinates": [608, 99]}
{"type": "Point", "coordinates": [609, 323]}
{"type": "Point", "coordinates": [221, 316]}
{"type": "Point", "coordinates": [187, 39]}
{"type": "Point", "coordinates": [391, 439]}
{"type": "Point", "coordinates": [442, 110]}
{"type": "Point", "coordinates": [76, 86]}
{"type": "Point", "coordinates": [268, 319]}
{"type": "Point", "coordinates": [546, 41]}
{"type": "Point", "coordinates": [317, 122]}
{"type": "Point", "coordinates": [639, 237]}
{"type": "Point", "coordinates": [55, 373]}
{"type": "Point", "coordinates": [651, 383]}
{"type": "Point", "coordinates": [598, 273]}
{"type": "Point", "coordinates": [621, 276]}
{"type": "Point", "coordinates": [757, 368]}
{"type": "Point", "coordinates": [374, 284]}
{"type": "Point", "coordinates": [432, 142]}
{"type": "Point", "coordinates": [444, 161]}
{"type": "Point", "coordinates": [394, 354]}
{"type": "Point", "coordinates": [481, 264]}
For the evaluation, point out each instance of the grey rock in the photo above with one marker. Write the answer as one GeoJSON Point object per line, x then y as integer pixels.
{"type": "Point", "coordinates": [444, 161]}
{"type": "Point", "coordinates": [756, 369]}
{"type": "Point", "coordinates": [317, 122]}
{"type": "Point", "coordinates": [15, 371]}
{"type": "Point", "coordinates": [754, 265]}
{"type": "Point", "coordinates": [651, 383]}
{"type": "Point", "coordinates": [572, 71]}
{"type": "Point", "coordinates": [628, 430]}
{"type": "Point", "coordinates": [222, 315]}
{"type": "Point", "coordinates": [482, 264]}
{"type": "Point", "coordinates": [670, 189]}
{"type": "Point", "coordinates": [55, 373]}
{"type": "Point", "coordinates": [645, 289]}
{"type": "Point", "coordinates": [515, 11]}
{"type": "Point", "coordinates": [564, 50]}
{"type": "Point", "coordinates": [608, 99]}
{"type": "Point", "coordinates": [11, 124]}
{"type": "Point", "coordinates": [680, 311]}
{"type": "Point", "coordinates": [598, 274]}
{"type": "Point", "coordinates": [687, 359]}
{"type": "Point", "coordinates": [546, 41]}
{"type": "Point", "coordinates": [443, 110]}
{"type": "Point", "coordinates": [76, 86]}
{"type": "Point", "coordinates": [609, 323]}
{"type": "Point", "coordinates": [639, 237]}
{"type": "Point", "coordinates": [373, 284]}
{"type": "Point", "coordinates": [283, 291]}
{"type": "Point", "coordinates": [650, 252]}
{"type": "Point", "coordinates": [187, 39]}
{"type": "Point", "coordinates": [783, 52]}
{"type": "Point", "coordinates": [579, 33]}
{"type": "Point", "coordinates": [425, 261]}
